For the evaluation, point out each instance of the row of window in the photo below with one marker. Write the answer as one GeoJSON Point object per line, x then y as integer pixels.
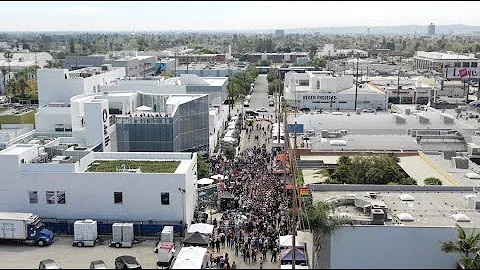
{"type": "Point", "coordinates": [58, 197]}
{"type": "Point", "coordinates": [52, 197]}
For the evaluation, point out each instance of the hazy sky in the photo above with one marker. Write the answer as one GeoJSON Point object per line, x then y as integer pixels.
{"type": "Point", "coordinates": [138, 15]}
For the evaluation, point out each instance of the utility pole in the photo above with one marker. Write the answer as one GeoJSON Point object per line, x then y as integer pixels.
{"type": "Point", "coordinates": [187, 63]}
{"type": "Point", "coordinates": [356, 86]}
{"type": "Point", "coordinates": [175, 75]}
{"type": "Point", "coordinates": [398, 86]}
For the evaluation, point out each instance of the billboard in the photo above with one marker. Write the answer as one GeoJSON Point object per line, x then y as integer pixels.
{"type": "Point", "coordinates": [463, 73]}
{"type": "Point", "coordinates": [291, 128]}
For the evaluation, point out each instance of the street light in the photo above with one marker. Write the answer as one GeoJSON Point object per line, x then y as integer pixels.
{"type": "Point", "coordinates": [184, 222]}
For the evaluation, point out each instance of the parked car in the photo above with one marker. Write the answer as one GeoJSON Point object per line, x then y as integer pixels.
{"type": "Point", "coordinates": [369, 110]}
{"type": "Point", "coordinates": [99, 264]}
{"type": "Point", "coordinates": [305, 110]}
{"type": "Point", "coordinates": [127, 262]}
{"type": "Point", "coordinates": [48, 264]}
{"type": "Point", "coordinates": [262, 109]}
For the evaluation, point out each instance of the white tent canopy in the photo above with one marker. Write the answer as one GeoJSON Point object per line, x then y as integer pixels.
{"type": "Point", "coordinates": [472, 175]}
{"type": "Point", "coordinates": [286, 241]}
{"type": "Point", "coordinates": [144, 108]}
{"type": "Point", "coordinates": [190, 258]}
{"type": "Point", "coordinates": [205, 181]}
{"type": "Point", "coordinates": [289, 266]}
{"type": "Point", "coordinates": [202, 228]}
{"type": "Point", "coordinates": [229, 139]}
{"type": "Point", "coordinates": [219, 177]}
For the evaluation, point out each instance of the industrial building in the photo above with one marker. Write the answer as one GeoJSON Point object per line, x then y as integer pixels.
{"type": "Point", "coordinates": [134, 64]}
{"type": "Point", "coordinates": [404, 225]}
{"type": "Point", "coordinates": [62, 183]}
{"type": "Point", "coordinates": [439, 62]}
{"type": "Point", "coordinates": [73, 62]}
{"type": "Point", "coordinates": [200, 58]}
{"type": "Point", "coordinates": [404, 90]}
{"type": "Point", "coordinates": [209, 70]}
{"type": "Point", "coordinates": [165, 65]}
{"type": "Point", "coordinates": [326, 91]}
{"type": "Point", "coordinates": [276, 58]}
{"type": "Point", "coordinates": [330, 50]}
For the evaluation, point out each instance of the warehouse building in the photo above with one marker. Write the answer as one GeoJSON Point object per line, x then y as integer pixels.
{"type": "Point", "coordinates": [326, 91]}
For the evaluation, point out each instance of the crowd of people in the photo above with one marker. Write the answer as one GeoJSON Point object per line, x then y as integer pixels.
{"type": "Point", "coordinates": [250, 227]}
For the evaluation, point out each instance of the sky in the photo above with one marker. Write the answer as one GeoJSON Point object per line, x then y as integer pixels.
{"type": "Point", "coordinates": [228, 15]}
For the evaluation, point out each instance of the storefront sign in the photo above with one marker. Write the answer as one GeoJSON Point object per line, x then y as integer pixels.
{"type": "Point", "coordinates": [322, 97]}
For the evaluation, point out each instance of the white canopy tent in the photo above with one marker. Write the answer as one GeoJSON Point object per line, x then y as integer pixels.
{"type": "Point", "coordinates": [205, 181]}
{"type": "Point", "coordinates": [219, 177]}
{"type": "Point", "coordinates": [144, 108]}
{"type": "Point", "coordinates": [229, 140]}
{"type": "Point", "coordinates": [289, 266]}
{"type": "Point", "coordinates": [202, 228]}
{"type": "Point", "coordinates": [286, 241]}
{"type": "Point", "coordinates": [190, 258]}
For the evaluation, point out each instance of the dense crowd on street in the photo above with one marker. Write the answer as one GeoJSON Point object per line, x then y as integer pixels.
{"type": "Point", "coordinates": [250, 227]}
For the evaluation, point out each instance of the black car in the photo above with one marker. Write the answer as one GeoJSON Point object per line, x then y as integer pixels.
{"type": "Point", "coordinates": [127, 262]}
{"type": "Point", "coordinates": [305, 110]}
{"type": "Point", "coordinates": [251, 113]}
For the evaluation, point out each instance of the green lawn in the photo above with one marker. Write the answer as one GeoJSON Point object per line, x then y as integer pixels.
{"type": "Point", "coordinates": [145, 166]}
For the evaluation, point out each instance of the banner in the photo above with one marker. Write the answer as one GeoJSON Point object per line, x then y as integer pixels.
{"type": "Point", "coordinates": [463, 73]}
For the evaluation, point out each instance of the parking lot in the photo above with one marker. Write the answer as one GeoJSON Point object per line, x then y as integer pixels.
{"type": "Point", "coordinates": [67, 256]}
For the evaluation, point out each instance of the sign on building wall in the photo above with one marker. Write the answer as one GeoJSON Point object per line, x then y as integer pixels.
{"type": "Point", "coordinates": [463, 73]}
{"type": "Point", "coordinates": [319, 97]}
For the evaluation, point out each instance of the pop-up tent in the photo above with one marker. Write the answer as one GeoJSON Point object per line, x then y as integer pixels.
{"type": "Point", "coordinates": [286, 256]}
{"type": "Point", "coordinates": [202, 228]}
{"type": "Point", "coordinates": [286, 241]}
{"type": "Point", "coordinates": [196, 239]}
{"type": "Point", "coordinates": [190, 258]}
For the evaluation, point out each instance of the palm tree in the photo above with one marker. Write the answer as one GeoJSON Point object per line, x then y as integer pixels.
{"type": "Point", "coordinates": [9, 57]}
{"type": "Point", "coordinates": [4, 74]}
{"type": "Point", "coordinates": [466, 244]}
{"type": "Point", "coordinates": [322, 223]}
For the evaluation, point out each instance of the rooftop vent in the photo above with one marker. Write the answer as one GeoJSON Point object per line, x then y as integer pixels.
{"type": "Point", "coordinates": [372, 195]}
{"type": "Point", "coordinates": [405, 217]}
{"type": "Point", "coordinates": [461, 218]}
{"type": "Point", "coordinates": [469, 196]}
{"type": "Point", "coordinates": [406, 197]}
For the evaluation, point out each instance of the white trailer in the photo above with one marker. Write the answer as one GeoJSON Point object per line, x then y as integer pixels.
{"type": "Point", "coordinates": [122, 235]}
{"type": "Point", "coordinates": [167, 234]}
{"type": "Point", "coordinates": [85, 233]}
{"type": "Point", "coordinates": [24, 227]}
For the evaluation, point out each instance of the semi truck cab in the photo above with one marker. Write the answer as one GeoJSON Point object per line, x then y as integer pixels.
{"type": "Point", "coordinates": [38, 234]}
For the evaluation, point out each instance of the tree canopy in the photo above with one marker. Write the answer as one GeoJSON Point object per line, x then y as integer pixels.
{"type": "Point", "coordinates": [369, 170]}
{"type": "Point", "coordinates": [467, 245]}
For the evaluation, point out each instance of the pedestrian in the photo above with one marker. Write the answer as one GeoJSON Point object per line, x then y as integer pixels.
{"type": "Point", "coordinates": [248, 255]}
{"type": "Point", "coordinates": [260, 264]}
{"type": "Point", "coordinates": [274, 255]}
{"type": "Point", "coordinates": [234, 266]}
{"type": "Point", "coordinates": [217, 244]}
{"type": "Point", "coordinates": [236, 249]}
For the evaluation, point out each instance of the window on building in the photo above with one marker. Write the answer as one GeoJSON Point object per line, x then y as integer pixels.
{"type": "Point", "coordinates": [466, 64]}
{"type": "Point", "coordinates": [474, 64]}
{"type": "Point", "coordinates": [33, 196]}
{"type": "Point", "coordinates": [457, 64]}
{"type": "Point", "coordinates": [165, 198]}
{"type": "Point", "coordinates": [61, 197]}
{"type": "Point", "coordinates": [50, 196]}
{"type": "Point", "coordinates": [117, 197]}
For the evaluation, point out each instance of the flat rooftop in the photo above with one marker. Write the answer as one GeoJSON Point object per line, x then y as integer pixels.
{"type": "Point", "coordinates": [16, 149]}
{"type": "Point", "coordinates": [444, 56]}
{"type": "Point", "coordinates": [144, 166]}
{"type": "Point", "coordinates": [428, 208]}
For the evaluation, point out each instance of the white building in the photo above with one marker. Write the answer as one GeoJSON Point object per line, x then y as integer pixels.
{"type": "Point", "coordinates": [412, 90]}
{"type": "Point", "coordinates": [54, 180]}
{"type": "Point", "coordinates": [327, 91]}
{"type": "Point", "coordinates": [405, 231]}
{"type": "Point", "coordinates": [209, 70]}
{"type": "Point", "coordinates": [440, 61]}
{"type": "Point", "coordinates": [330, 50]}
{"type": "Point", "coordinates": [134, 64]}
{"type": "Point", "coordinates": [57, 86]}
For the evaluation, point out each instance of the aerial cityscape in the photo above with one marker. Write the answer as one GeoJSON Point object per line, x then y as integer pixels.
{"type": "Point", "coordinates": [239, 135]}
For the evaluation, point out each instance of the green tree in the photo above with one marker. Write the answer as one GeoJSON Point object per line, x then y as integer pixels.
{"type": "Point", "coordinates": [265, 63]}
{"type": "Point", "coordinates": [168, 74]}
{"type": "Point", "coordinates": [322, 224]}
{"type": "Point", "coordinates": [467, 245]}
{"type": "Point", "coordinates": [203, 167]}
{"type": "Point", "coordinates": [72, 46]}
{"type": "Point", "coordinates": [432, 181]}
{"type": "Point", "coordinates": [243, 58]}
{"type": "Point", "coordinates": [275, 86]}
{"type": "Point", "coordinates": [319, 62]}
{"type": "Point", "coordinates": [272, 75]}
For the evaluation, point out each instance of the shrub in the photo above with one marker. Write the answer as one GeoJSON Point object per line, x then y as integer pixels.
{"type": "Point", "coordinates": [432, 181]}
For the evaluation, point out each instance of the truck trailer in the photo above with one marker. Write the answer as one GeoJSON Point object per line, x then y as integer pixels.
{"type": "Point", "coordinates": [24, 227]}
